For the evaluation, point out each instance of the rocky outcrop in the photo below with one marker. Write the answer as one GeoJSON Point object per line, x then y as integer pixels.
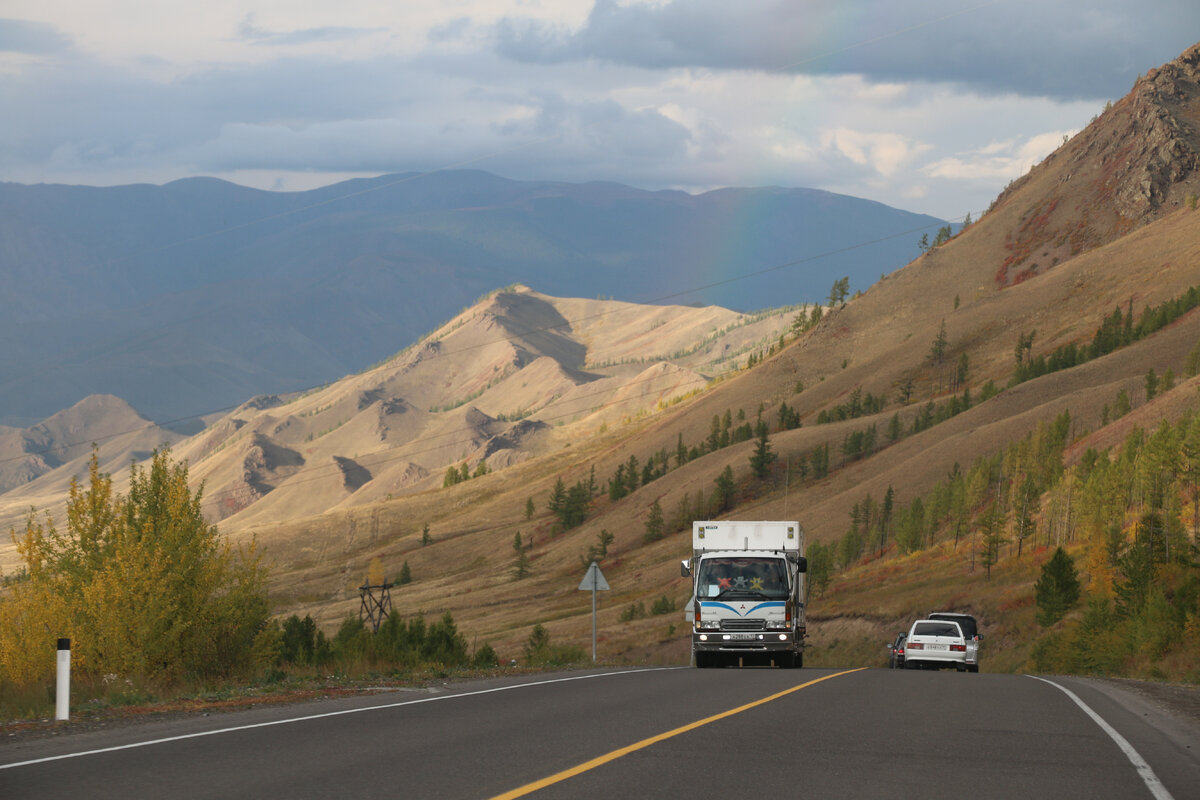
{"type": "Point", "coordinates": [354, 475]}
{"type": "Point", "coordinates": [1161, 137]}
{"type": "Point", "coordinates": [266, 463]}
{"type": "Point", "coordinates": [1133, 164]}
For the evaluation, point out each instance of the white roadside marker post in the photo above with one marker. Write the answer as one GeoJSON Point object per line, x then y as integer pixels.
{"type": "Point", "coordinates": [62, 705]}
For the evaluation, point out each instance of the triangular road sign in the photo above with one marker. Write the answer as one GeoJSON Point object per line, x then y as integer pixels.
{"type": "Point", "coordinates": [593, 580]}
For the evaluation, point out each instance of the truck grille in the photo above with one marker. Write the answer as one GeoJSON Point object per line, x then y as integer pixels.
{"type": "Point", "coordinates": [743, 625]}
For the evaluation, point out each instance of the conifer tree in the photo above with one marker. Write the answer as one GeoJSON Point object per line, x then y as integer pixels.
{"type": "Point", "coordinates": [1057, 589]}
{"type": "Point", "coordinates": [1122, 405]}
{"type": "Point", "coordinates": [631, 474]}
{"type": "Point", "coordinates": [714, 434]}
{"type": "Point", "coordinates": [558, 497]}
{"type": "Point", "coordinates": [723, 494]}
{"type": "Point", "coordinates": [616, 484]}
{"type": "Point", "coordinates": [763, 458]}
{"type": "Point", "coordinates": [521, 568]}
{"type": "Point", "coordinates": [937, 351]}
{"type": "Point", "coordinates": [655, 525]}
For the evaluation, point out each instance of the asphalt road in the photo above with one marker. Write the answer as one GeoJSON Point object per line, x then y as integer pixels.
{"type": "Point", "coordinates": [646, 733]}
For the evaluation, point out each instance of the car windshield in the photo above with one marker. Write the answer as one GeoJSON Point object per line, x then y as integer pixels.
{"type": "Point", "coordinates": [749, 576]}
{"type": "Point", "coordinates": [936, 629]}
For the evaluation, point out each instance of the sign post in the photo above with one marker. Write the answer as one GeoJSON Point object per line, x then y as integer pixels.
{"type": "Point", "coordinates": [593, 579]}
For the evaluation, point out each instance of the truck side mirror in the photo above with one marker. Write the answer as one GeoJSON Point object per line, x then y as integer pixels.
{"type": "Point", "coordinates": [802, 565]}
{"type": "Point", "coordinates": [685, 569]}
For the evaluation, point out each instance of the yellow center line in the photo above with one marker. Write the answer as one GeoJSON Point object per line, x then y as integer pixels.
{"type": "Point", "coordinates": [558, 777]}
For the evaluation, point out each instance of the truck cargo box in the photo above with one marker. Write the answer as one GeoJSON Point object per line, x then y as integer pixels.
{"type": "Point", "coordinates": [739, 535]}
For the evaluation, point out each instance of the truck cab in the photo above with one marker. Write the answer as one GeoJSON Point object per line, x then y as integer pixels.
{"type": "Point", "coordinates": [748, 593]}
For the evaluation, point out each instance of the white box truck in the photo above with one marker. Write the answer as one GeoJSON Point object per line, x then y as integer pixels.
{"type": "Point", "coordinates": [747, 593]}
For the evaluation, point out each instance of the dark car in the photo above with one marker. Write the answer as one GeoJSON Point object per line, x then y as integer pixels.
{"type": "Point", "coordinates": [896, 652]}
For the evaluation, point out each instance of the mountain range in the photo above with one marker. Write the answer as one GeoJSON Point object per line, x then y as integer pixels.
{"type": "Point", "coordinates": [187, 298]}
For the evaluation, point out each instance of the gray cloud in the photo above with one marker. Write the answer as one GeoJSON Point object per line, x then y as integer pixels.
{"type": "Point", "coordinates": [319, 114]}
{"type": "Point", "coordinates": [600, 102]}
{"type": "Point", "coordinates": [1060, 50]}
{"type": "Point", "coordinates": [36, 38]}
{"type": "Point", "coordinates": [250, 31]}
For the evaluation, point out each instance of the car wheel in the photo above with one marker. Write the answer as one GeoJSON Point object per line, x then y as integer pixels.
{"type": "Point", "coordinates": [911, 665]}
{"type": "Point", "coordinates": [973, 668]}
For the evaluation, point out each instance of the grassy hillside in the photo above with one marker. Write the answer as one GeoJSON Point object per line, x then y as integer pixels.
{"type": "Point", "coordinates": [1011, 278]}
{"type": "Point", "coordinates": [467, 568]}
{"type": "Point", "coordinates": [937, 376]}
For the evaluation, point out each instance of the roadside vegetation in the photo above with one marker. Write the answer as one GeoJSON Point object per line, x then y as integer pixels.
{"type": "Point", "coordinates": [146, 590]}
{"type": "Point", "coordinates": [1119, 595]}
{"type": "Point", "coordinates": [159, 608]}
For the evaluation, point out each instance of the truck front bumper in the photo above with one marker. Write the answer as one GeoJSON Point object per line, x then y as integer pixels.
{"type": "Point", "coordinates": [759, 642]}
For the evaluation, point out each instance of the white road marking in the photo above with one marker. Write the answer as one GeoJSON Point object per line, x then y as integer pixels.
{"type": "Point", "coordinates": [308, 717]}
{"type": "Point", "coordinates": [1147, 774]}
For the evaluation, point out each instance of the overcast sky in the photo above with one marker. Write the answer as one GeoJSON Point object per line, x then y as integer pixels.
{"type": "Point", "coordinates": [927, 105]}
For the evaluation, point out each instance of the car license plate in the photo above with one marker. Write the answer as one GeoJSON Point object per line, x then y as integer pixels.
{"type": "Point", "coordinates": [936, 646]}
{"type": "Point", "coordinates": [743, 637]}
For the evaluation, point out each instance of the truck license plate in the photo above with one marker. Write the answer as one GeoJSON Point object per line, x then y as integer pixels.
{"type": "Point", "coordinates": [743, 637]}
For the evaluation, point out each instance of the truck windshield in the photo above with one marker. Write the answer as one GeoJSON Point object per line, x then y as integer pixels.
{"type": "Point", "coordinates": [750, 576]}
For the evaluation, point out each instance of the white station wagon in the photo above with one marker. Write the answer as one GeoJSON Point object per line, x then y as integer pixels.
{"type": "Point", "coordinates": [935, 643]}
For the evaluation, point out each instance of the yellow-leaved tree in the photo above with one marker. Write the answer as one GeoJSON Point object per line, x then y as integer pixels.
{"type": "Point", "coordinates": [142, 585]}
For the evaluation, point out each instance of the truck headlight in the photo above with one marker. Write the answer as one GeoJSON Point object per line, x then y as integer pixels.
{"type": "Point", "coordinates": [709, 625]}
{"type": "Point", "coordinates": [778, 625]}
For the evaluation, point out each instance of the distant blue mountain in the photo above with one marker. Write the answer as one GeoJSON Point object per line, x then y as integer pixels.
{"type": "Point", "coordinates": [194, 296]}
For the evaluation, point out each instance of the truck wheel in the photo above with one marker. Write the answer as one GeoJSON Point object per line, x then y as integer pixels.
{"type": "Point", "coordinates": [785, 660]}
{"type": "Point", "coordinates": [703, 660]}
{"type": "Point", "coordinates": [798, 662]}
